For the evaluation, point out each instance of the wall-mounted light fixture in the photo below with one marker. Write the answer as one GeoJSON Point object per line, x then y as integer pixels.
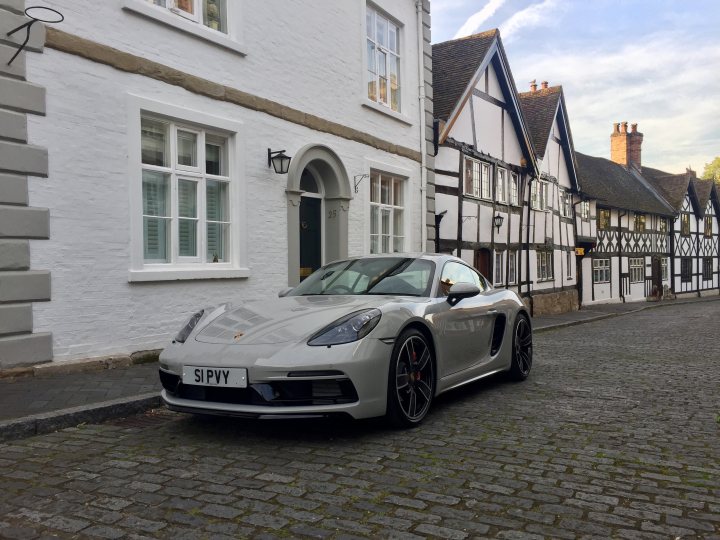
{"type": "Point", "coordinates": [41, 13]}
{"type": "Point", "coordinates": [498, 221]}
{"type": "Point", "coordinates": [279, 161]}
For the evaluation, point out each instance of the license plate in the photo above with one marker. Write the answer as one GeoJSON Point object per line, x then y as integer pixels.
{"type": "Point", "coordinates": [215, 376]}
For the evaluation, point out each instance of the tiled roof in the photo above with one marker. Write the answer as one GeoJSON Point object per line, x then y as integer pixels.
{"type": "Point", "coordinates": [703, 189]}
{"type": "Point", "coordinates": [672, 187]}
{"type": "Point", "coordinates": [615, 186]}
{"type": "Point", "coordinates": [454, 64]}
{"type": "Point", "coordinates": [539, 110]}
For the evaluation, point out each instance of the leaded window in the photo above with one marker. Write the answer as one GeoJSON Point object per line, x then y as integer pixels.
{"type": "Point", "coordinates": [685, 224]}
{"type": "Point", "coordinates": [477, 178]}
{"type": "Point", "coordinates": [585, 210]}
{"type": "Point", "coordinates": [601, 270]}
{"type": "Point", "coordinates": [639, 223]}
{"type": "Point", "coordinates": [603, 218]}
{"type": "Point", "coordinates": [501, 185]}
{"type": "Point", "coordinates": [514, 189]}
{"type": "Point", "coordinates": [686, 269]}
{"type": "Point", "coordinates": [708, 226]}
{"type": "Point", "coordinates": [707, 268]}
{"type": "Point", "coordinates": [637, 270]}
{"type": "Point", "coordinates": [544, 265]}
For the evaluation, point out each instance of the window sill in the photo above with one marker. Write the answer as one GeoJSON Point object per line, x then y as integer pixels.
{"type": "Point", "coordinates": [178, 274]}
{"type": "Point", "coordinates": [386, 110]}
{"type": "Point", "coordinates": [164, 16]}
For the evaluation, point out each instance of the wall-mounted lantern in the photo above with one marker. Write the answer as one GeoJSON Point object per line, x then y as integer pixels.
{"type": "Point", "coordinates": [279, 161]}
{"type": "Point", "coordinates": [498, 221]}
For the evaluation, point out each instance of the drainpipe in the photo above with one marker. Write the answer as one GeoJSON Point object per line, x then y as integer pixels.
{"type": "Point", "coordinates": [527, 244]}
{"type": "Point", "coordinates": [578, 267]}
{"type": "Point", "coordinates": [421, 105]}
{"type": "Point", "coordinates": [620, 239]}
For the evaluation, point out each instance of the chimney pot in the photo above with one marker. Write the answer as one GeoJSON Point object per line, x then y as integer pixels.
{"type": "Point", "coordinates": [544, 84]}
{"type": "Point", "coordinates": [633, 128]}
{"type": "Point", "coordinates": [533, 86]}
{"type": "Point", "coordinates": [616, 127]}
{"type": "Point", "coordinates": [624, 126]}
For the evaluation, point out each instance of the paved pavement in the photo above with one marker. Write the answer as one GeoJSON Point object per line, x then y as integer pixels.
{"type": "Point", "coordinates": [615, 434]}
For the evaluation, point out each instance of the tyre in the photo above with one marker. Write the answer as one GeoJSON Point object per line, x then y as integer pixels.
{"type": "Point", "coordinates": [411, 380]}
{"type": "Point", "coordinates": [522, 349]}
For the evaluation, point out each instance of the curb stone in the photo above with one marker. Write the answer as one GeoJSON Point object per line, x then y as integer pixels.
{"type": "Point", "coordinates": [566, 324]}
{"type": "Point", "coordinates": [79, 366]}
{"type": "Point", "coordinates": [39, 424]}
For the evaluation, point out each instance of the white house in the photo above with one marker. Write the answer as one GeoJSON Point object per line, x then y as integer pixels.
{"type": "Point", "coordinates": [485, 160]}
{"type": "Point", "coordinates": [631, 258]}
{"type": "Point", "coordinates": [694, 231]}
{"type": "Point", "coordinates": [162, 117]}
{"type": "Point", "coordinates": [550, 232]}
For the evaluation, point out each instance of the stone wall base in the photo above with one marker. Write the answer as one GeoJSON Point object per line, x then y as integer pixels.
{"type": "Point", "coordinates": [554, 303]}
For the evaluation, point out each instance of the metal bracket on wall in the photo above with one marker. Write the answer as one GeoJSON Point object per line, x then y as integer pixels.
{"type": "Point", "coordinates": [53, 17]}
{"type": "Point", "coordinates": [357, 180]}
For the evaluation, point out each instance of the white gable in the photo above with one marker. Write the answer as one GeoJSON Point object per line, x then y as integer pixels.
{"type": "Point", "coordinates": [493, 85]}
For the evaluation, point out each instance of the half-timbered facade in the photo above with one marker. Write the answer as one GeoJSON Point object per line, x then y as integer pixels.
{"type": "Point", "coordinates": [631, 258]}
{"type": "Point", "coordinates": [694, 231]}
{"type": "Point", "coordinates": [484, 162]}
{"type": "Point", "coordinates": [550, 231]}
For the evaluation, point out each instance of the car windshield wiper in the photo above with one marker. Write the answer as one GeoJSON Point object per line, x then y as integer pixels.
{"type": "Point", "coordinates": [389, 272]}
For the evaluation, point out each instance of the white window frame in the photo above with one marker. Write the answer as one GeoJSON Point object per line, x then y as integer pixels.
{"type": "Point", "coordinates": [501, 176]}
{"type": "Point", "coordinates": [539, 195]}
{"type": "Point", "coordinates": [480, 181]}
{"type": "Point", "coordinates": [514, 189]}
{"type": "Point", "coordinates": [232, 40]}
{"type": "Point", "coordinates": [387, 105]}
{"type": "Point", "coordinates": [392, 208]}
{"type": "Point", "coordinates": [545, 262]}
{"type": "Point", "coordinates": [236, 266]}
{"type": "Point", "coordinates": [498, 270]}
{"type": "Point", "coordinates": [585, 210]}
{"type": "Point", "coordinates": [565, 203]}
{"type": "Point", "coordinates": [569, 263]}
{"type": "Point", "coordinates": [664, 269]}
{"type": "Point", "coordinates": [512, 267]}
{"type": "Point", "coordinates": [637, 269]}
{"type": "Point", "coordinates": [601, 271]}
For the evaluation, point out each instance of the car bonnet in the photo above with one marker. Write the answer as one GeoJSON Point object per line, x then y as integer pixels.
{"type": "Point", "coordinates": [282, 320]}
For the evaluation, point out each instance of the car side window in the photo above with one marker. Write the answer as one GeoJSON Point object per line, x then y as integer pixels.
{"type": "Point", "coordinates": [454, 272]}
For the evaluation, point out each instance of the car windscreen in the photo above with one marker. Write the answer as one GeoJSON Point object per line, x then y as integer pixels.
{"type": "Point", "coordinates": [399, 276]}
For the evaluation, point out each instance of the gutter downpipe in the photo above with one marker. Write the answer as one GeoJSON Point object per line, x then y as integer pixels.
{"type": "Point", "coordinates": [620, 252]}
{"type": "Point", "coordinates": [527, 245]}
{"type": "Point", "coordinates": [423, 144]}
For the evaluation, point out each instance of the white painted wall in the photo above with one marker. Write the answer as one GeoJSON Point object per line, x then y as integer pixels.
{"type": "Point", "coordinates": [94, 310]}
{"type": "Point", "coordinates": [305, 55]}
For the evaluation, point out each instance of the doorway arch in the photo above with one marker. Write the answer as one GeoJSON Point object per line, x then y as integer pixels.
{"type": "Point", "coordinates": [333, 186]}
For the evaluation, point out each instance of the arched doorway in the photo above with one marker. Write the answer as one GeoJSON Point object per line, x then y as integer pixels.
{"type": "Point", "coordinates": [318, 194]}
{"type": "Point", "coordinates": [311, 223]}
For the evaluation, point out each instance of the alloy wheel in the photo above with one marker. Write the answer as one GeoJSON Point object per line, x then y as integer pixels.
{"type": "Point", "coordinates": [414, 378]}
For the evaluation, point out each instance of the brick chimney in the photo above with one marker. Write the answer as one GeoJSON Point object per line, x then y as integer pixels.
{"type": "Point", "coordinates": [544, 85]}
{"type": "Point", "coordinates": [625, 148]}
{"type": "Point", "coordinates": [533, 86]}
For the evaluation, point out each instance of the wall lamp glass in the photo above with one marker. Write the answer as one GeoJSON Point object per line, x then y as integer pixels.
{"type": "Point", "coordinates": [279, 161]}
{"type": "Point", "coordinates": [498, 221]}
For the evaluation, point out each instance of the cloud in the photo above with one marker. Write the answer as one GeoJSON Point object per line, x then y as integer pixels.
{"type": "Point", "coordinates": [476, 20]}
{"type": "Point", "coordinates": [651, 79]}
{"type": "Point", "coordinates": [533, 15]}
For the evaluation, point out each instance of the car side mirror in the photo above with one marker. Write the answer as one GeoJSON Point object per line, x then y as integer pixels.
{"type": "Point", "coordinates": [462, 290]}
{"type": "Point", "coordinates": [284, 292]}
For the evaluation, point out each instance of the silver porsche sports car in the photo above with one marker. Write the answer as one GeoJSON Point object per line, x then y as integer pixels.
{"type": "Point", "coordinates": [368, 336]}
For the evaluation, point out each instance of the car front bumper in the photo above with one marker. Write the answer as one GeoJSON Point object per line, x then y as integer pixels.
{"type": "Point", "coordinates": [298, 381]}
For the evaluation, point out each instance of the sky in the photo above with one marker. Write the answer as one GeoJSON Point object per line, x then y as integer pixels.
{"type": "Point", "coordinates": [651, 62]}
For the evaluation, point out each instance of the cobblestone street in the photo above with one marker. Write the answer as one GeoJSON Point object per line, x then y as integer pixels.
{"type": "Point", "coordinates": [615, 434]}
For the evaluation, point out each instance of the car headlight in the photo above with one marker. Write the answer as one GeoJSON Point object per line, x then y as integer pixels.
{"type": "Point", "coordinates": [189, 327]}
{"type": "Point", "coordinates": [347, 329]}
